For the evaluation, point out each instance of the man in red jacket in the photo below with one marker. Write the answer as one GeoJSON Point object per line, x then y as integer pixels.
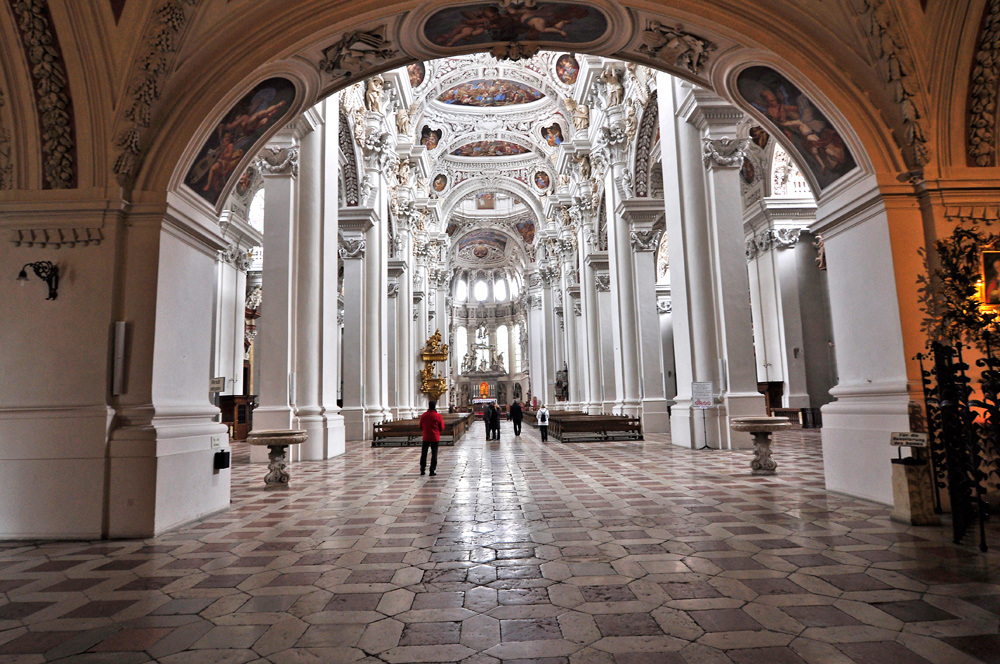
{"type": "Point", "coordinates": [431, 426]}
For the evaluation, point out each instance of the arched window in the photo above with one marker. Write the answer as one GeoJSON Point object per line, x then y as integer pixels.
{"type": "Point", "coordinates": [515, 289]}
{"type": "Point", "coordinates": [461, 343]}
{"type": "Point", "coordinates": [481, 291]}
{"type": "Point", "coordinates": [256, 213]}
{"type": "Point", "coordinates": [500, 289]}
{"type": "Point", "coordinates": [503, 346]}
{"type": "Point", "coordinates": [462, 291]}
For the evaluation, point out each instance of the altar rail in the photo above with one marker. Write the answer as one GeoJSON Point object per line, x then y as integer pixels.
{"type": "Point", "coordinates": [574, 427]}
{"type": "Point", "coordinates": [406, 433]}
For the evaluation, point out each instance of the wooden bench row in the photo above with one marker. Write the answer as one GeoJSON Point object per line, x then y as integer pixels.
{"type": "Point", "coordinates": [406, 433]}
{"type": "Point", "coordinates": [572, 427]}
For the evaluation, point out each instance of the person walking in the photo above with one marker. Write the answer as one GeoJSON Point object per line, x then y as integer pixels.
{"type": "Point", "coordinates": [488, 420]}
{"type": "Point", "coordinates": [495, 421]}
{"type": "Point", "coordinates": [516, 415]}
{"type": "Point", "coordinates": [542, 417]}
{"type": "Point", "coordinates": [431, 426]}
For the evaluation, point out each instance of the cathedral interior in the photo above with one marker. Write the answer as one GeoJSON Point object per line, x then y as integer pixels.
{"type": "Point", "coordinates": [726, 275]}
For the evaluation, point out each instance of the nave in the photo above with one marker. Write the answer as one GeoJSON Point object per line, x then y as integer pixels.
{"type": "Point", "coordinates": [518, 551]}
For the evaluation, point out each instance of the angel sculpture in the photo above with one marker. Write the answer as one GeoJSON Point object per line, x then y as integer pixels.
{"type": "Point", "coordinates": [580, 112]}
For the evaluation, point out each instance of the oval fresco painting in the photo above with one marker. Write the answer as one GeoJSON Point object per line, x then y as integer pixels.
{"type": "Point", "coordinates": [430, 138]}
{"type": "Point", "coordinates": [567, 69]}
{"type": "Point", "coordinates": [417, 73]}
{"type": "Point", "coordinates": [793, 114]}
{"type": "Point", "coordinates": [542, 180]}
{"type": "Point", "coordinates": [486, 22]}
{"type": "Point", "coordinates": [489, 149]}
{"type": "Point", "coordinates": [553, 135]}
{"type": "Point", "coordinates": [490, 93]}
{"type": "Point", "coordinates": [259, 110]}
{"type": "Point", "coordinates": [439, 183]}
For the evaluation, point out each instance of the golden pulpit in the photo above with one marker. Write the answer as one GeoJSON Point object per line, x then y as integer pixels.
{"type": "Point", "coordinates": [431, 383]}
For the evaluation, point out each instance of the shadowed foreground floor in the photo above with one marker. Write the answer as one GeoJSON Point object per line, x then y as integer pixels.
{"type": "Point", "coordinates": [617, 553]}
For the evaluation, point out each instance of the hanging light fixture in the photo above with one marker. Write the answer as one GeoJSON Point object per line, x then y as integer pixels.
{"type": "Point", "coordinates": [47, 272]}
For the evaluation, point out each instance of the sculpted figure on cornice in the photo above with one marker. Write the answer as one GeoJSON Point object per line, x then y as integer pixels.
{"type": "Point", "coordinates": [683, 48]}
{"type": "Point", "coordinates": [614, 91]}
{"type": "Point", "coordinates": [373, 94]}
{"type": "Point", "coordinates": [357, 52]}
{"type": "Point", "coordinates": [580, 112]}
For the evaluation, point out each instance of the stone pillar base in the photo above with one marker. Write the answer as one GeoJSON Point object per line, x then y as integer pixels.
{"type": "Point", "coordinates": [354, 423]}
{"type": "Point", "coordinates": [742, 404]}
{"type": "Point", "coordinates": [655, 418]}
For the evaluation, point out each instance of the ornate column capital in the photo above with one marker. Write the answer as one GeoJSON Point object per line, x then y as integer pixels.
{"type": "Point", "coordinates": [279, 161]}
{"type": "Point", "coordinates": [352, 249]}
{"type": "Point", "coordinates": [647, 240]}
{"type": "Point", "coordinates": [724, 152]}
{"type": "Point", "coordinates": [603, 282]}
{"type": "Point", "coordinates": [664, 307]}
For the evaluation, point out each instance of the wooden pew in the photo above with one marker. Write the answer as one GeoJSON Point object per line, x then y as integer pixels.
{"type": "Point", "coordinates": [406, 433]}
{"type": "Point", "coordinates": [574, 427]}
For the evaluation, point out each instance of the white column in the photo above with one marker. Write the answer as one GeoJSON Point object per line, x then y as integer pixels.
{"type": "Point", "coordinates": [664, 308]}
{"type": "Point", "coordinates": [641, 215]}
{"type": "Point", "coordinates": [308, 250]}
{"type": "Point", "coordinates": [330, 353]}
{"type": "Point", "coordinates": [354, 224]}
{"type": "Point", "coordinates": [396, 375]}
{"type": "Point", "coordinates": [275, 340]}
{"type": "Point", "coordinates": [732, 285]}
{"type": "Point", "coordinates": [592, 323]}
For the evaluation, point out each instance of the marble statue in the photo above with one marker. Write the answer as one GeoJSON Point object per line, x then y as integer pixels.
{"type": "Point", "coordinates": [373, 94]}
{"type": "Point", "coordinates": [613, 87]}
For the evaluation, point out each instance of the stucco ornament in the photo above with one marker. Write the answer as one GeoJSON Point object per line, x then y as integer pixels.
{"type": "Point", "coordinates": [676, 45]}
{"type": "Point", "coordinates": [279, 161]}
{"type": "Point", "coordinates": [357, 52]}
{"type": "Point", "coordinates": [984, 89]}
{"type": "Point", "coordinates": [727, 152]}
{"type": "Point", "coordinates": [52, 95]}
{"type": "Point", "coordinates": [170, 19]}
{"type": "Point", "coordinates": [645, 240]}
{"type": "Point", "coordinates": [352, 249]}
{"type": "Point", "coordinates": [603, 283]}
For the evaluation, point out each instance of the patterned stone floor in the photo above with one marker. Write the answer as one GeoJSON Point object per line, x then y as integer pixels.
{"type": "Point", "coordinates": [624, 553]}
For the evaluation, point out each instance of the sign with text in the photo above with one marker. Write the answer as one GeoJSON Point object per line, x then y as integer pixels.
{"type": "Point", "coordinates": [701, 395]}
{"type": "Point", "coordinates": [909, 439]}
{"type": "Point", "coordinates": [217, 384]}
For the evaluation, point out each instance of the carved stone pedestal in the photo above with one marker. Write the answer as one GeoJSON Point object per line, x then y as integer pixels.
{"type": "Point", "coordinates": [277, 442]}
{"type": "Point", "coordinates": [761, 428]}
{"type": "Point", "coordinates": [912, 493]}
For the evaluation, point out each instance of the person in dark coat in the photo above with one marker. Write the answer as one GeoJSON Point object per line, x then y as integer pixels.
{"type": "Point", "coordinates": [488, 421]}
{"type": "Point", "coordinates": [495, 421]}
{"type": "Point", "coordinates": [516, 415]}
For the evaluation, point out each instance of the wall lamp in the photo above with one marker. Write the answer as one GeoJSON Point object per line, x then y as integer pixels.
{"type": "Point", "coordinates": [47, 272]}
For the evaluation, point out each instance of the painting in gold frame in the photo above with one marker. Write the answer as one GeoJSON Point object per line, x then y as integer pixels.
{"type": "Point", "coordinates": [991, 278]}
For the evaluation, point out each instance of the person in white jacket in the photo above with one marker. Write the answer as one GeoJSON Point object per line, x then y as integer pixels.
{"type": "Point", "coordinates": [542, 418]}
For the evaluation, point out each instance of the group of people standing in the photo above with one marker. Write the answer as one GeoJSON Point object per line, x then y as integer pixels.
{"type": "Point", "coordinates": [432, 425]}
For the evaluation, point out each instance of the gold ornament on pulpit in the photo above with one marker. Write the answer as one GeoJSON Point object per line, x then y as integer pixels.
{"type": "Point", "coordinates": [433, 351]}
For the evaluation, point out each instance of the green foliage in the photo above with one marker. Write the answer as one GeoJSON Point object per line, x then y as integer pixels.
{"type": "Point", "coordinates": [948, 293]}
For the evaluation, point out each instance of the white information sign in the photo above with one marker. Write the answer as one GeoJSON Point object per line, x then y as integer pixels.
{"type": "Point", "coordinates": [909, 439]}
{"type": "Point", "coordinates": [217, 384]}
{"type": "Point", "coordinates": [701, 395]}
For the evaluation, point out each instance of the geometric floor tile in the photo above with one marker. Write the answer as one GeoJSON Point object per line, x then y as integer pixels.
{"type": "Point", "coordinates": [516, 552]}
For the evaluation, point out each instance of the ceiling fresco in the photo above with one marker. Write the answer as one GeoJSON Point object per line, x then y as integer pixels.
{"type": "Point", "coordinates": [486, 22]}
{"type": "Point", "coordinates": [489, 93]}
{"type": "Point", "coordinates": [489, 149]}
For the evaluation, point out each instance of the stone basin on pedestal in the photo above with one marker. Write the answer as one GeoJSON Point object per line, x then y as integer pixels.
{"type": "Point", "coordinates": [277, 442]}
{"type": "Point", "coordinates": [761, 428]}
